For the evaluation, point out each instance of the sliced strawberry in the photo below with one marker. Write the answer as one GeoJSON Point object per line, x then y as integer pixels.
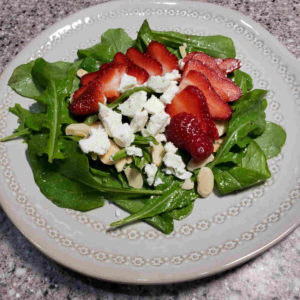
{"type": "Point", "coordinates": [185, 132]}
{"type": "Point", "coordinates": [79, 92]}
{"type": "Point", "coordinates": [121, 58]}
{"type": "Point", "coordinates": [87, 78]}
{"type": "Point", "coordinates": [206, 60]}
{"type": "Point", "coordinates": [225, 87]}
{"type": "Point", "coordinates": [106, 65]}
{"type": "Point", "coordinates": [87, 102]}
{"type": "Point", "coordinates": [228, 65]}
{"type": "Point", "coordinates": [167, 59]}
{"type": "Point", "coordinates": [140, 74]}
{"type": "Point", "coordinates": [145, 61]}
{"type": "Point", "coordinates": [218, 108]}
{"type": "Point", "coordinates": [191, 100]}
{"type": "Point", "coordinates": [110, 79]}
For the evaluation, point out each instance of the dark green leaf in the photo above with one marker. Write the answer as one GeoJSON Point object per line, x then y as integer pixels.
{"type": "Point", "coordinates": [243, 80]}
{"type": "Point", "coordinates": [272, 140]}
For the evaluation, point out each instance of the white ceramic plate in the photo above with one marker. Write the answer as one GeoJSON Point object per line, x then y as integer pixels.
{"type": "Point", "coordinates": [221, 232]}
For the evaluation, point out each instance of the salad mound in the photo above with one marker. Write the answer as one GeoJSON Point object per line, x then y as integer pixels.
{"type": "Point", "coordinates": [148, 124]}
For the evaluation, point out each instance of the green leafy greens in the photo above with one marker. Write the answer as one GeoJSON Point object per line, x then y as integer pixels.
{"type": "Point", "coordinates": [71, 179]}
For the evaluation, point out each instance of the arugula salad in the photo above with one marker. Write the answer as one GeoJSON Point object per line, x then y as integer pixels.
{"type": "Point", "coordinates": [149, 124]}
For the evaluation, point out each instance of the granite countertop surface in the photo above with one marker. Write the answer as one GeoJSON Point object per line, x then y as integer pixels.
{"type": "Point", "coordinates": [25, 273]}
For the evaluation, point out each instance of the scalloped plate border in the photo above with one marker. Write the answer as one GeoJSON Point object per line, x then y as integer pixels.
{"type": "Point", "coordinates": [106, 273]}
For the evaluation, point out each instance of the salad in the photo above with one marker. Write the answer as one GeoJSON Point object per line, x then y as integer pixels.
{"type": "Point", "coordinates": [149, 124]}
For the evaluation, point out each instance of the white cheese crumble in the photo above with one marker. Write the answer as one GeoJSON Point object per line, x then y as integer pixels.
{"type": "Point", "coordinates": [134, 151]}
{"type": "Point", "coordinates": [181, 64]}
{"type": "Point", "coordinates": [133, 104]}
{"type": "Point", "coordinates": [154, 105]}
{"type": "Point", "coordinates": [97, 142]}
{"type": "Point", "coordinates": [157, 124]}
{"type": "Point", "coordinates": [175, 166]}
{"type": "Point", "coordinates": [127, 82]}
{"type": "Point", "coordinates": [161, 137]}
{"type": "Point", "coordinates": [139, 121]}
{"type": "Point", "coordinates": [150, 170]}
{"type": "Point", "coordinates": [169, 93]}
{"type": "Point", "coordinates": [170, 147]}
{"type": "Point", "coordinates": [158, 181]}
{"type": "Point", "coordinates": [174, 75]}
{"type": "Point", "coordinates": [123, 136]}
{"type": "Point", "coordinates": [158, 83]}
{"type": "Point", "coordinates": [110, 119]}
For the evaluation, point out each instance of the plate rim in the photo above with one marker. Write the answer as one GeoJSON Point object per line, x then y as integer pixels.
{"type": "Point", "coordinates": [49, 248]}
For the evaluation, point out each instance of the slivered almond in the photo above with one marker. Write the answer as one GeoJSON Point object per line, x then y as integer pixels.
{"type": "Point", "coordinates": [105, 158]}
{"type": "Point", "coordinates": [81, 72]}
{"type": "Point", "coordinates": [222, 127]}
{"type": "Point", "coordinates": [134, 178]}
{"type": "Point", "coordinates": [188, 184]}
{"type": "Point", "coordinates": [218, 143]}
{"type": "Point", "coordinates": [79, 129]}
{"type": "Point", "coordinates": [182, 50]}
{"type": "Point", "coordinates": [205, 181]}
{"type": "Point", "coordinates": [194, 164]}
{"type": "Point", "coordinates": [157, 153]}
{"type": "Point", "coordinates": [120, 164]}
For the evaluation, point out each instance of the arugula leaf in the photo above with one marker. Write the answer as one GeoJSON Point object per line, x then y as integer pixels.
{"type": "Point", "coordinates": [181, 213]}
{"type": "Point", "coordinates": [76, 167]}
{"type": "Point", "coordinates": [62, 191]}
{"type": "Point", "coordinates": [126, 94]}
{"type": "Point", "coordinates": [90, 64]}
{"type": "Point", "coordinates": [243, 80]}
{"type": "Point", "coordinates": [217, 46]}
{"type": "Point", "coordinates": [248, 120]}
{"type": "Point", "coordinates": [162, 222]}
{"type": "Point", "coordinates": [173, 197]}
{"type": "Point", "coordinates": [252, 169]}
{"type": "Point", "coordinates": [112, 41]}
{"type": "Point", "coordinates": [272, 140]}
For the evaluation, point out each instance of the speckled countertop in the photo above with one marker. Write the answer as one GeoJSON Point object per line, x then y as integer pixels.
{"type": "Point", "coordinates": [25, 273]}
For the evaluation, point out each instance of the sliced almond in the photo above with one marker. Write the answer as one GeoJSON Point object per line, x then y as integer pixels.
{"type": "Point", "coordinates": [218, 143]}
{"type": "Point", "coordinates": [182, 50]}
{"type": "Point", "coordinates": [134, 178]}
{"type": "Point", "coordinates": [81, 72]}
{"type": "Point", "coordinates": [188, 184]}
{"type": "Point", "coordinates": [79, 129]}
{"type": "Point", "coordinates": [194, 164]}
{"type": "Point", "coordinates": [120, 164]}
{"type": "Point", "coordinates": [157, 153]}
{"type": "Point", "coordinates": [96, 124]}
{"type": "Point", "coordinates": [222, 127]}
{"type": "Point", "coordinates": [205, 181]}
{"type": "Point", "coordinates": [105, 158]}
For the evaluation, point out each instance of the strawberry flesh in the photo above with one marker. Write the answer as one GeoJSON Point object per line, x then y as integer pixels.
{"type": "Point", "coordinates": [167, 59]}
{"type": "Point", "coordinates": [224, 86]}
{"type": "Point", "coordinates": [145, 61]}
{"type": "Point", "coordinates": [140, 74]}
{"type": "Point", "coordinates": [185, 132]}
{"type": "Point", "coordinates": [121, 58]}
{"type": "Point", "coordinates": [218, 108]}
{"type": "Point", "coordinates": [191, 100]}
{"type": "Point", "coordinates": [87, 102]}
{"type": "Point", "coordinates": [228, 65]}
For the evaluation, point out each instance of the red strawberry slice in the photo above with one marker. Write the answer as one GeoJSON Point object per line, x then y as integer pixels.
{"type": "Point", "coordinates": [88, 78]}
{"type": "Point", "coordinates": [79, 92]}
{"type": "Point", "coordinates": [225, 87]}
{"type": "Point", "coordinates": [218, 108]}
{"type": "Point", "coordinates": [191, 100]}
{"type": "Point", "coordinates": [206, 60]}
{"type": "Point", "coordinates": [184, 131]}
{"type": "Point", "coordinates": [110, 79]}
{"type": "Point", "coordinates": [87, 102]}
{"type": "Point", "coordinates": [159, 52]}
{"type": "Point", "coordinates": [228, 65]}
{"type": "Point", "coordinates": [140, 74]}
{"type": "Point", "coordinates": [121, 58]}
{"type": "Point", "coordinates": [106, 65]}
{"type": "Point", "coordinates": [145, 61]}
